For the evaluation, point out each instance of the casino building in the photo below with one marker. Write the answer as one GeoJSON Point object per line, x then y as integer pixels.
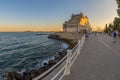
{"type": "Point", "coordinates": [77, 23]}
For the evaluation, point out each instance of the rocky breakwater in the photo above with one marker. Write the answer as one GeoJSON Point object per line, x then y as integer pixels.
{"type": "Point", "coordinates": [70, 38]}
{"type": "Point", "coordinates": [30, 74]}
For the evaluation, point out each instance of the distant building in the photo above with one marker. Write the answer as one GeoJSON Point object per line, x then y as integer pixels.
{"type": "Point", "coordinates": [77, 23]}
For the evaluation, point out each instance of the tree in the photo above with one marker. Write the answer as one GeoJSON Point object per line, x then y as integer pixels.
{"type": "Point", "coordinates": [118, 10]}
{"type": "Point", "coordinates": [116, 23]}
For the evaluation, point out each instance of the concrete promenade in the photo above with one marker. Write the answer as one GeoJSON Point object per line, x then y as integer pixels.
{"type": "Point", "coordinates": [99, 60]}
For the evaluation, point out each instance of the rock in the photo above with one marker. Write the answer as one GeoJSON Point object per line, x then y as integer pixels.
{"type": "Point", "coordinates": [58, 58]}
{"type": "Point", "coordinates": [10, 76]}
{"type": "Point", "coordinates": [45, 65]}
{"type": "Point", "coordinates": [33, 73]}
{"type": "Point", "coordinates": [17, 76]}
{"type": "Point", "coordinates": [54, 36]}
{"type": "Point", "coordinates": [41, 70]}
{"type": "Point", "coordinates": [28, 77]}
{"type": "Point", "coordinates": [51, 63]}
{"type": "Point", "coordinates": [25, 73]}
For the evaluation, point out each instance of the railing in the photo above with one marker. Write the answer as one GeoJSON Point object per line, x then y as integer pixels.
{"type": "Point", "coordinates": [65, 70]}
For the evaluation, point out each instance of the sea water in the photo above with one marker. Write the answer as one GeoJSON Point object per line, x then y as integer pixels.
{"type": "Point", "coordinates": [26, 50]}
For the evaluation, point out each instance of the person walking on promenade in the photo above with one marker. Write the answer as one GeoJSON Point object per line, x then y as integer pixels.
{"type": "Point", "coordinates": [115, 36]}
{"type": "Point", "coordinates": [86, 35]}
{"type": "Point", "coordinates": [95, 33]}
{"type": "Point", "coordinates": [112, 35]}
{"type": "Point", "coordinates": [119, 35]}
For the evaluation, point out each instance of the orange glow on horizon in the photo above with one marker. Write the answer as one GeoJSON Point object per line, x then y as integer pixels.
{"type": "Point", "coordinates": [28, 28]}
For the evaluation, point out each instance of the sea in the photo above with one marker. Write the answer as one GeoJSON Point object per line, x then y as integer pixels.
{"type": "Point", "coordinates": [26, 50]}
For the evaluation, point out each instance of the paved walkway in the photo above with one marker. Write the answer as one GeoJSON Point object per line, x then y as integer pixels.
{"type": "Point", "coordinates": [99, 60]}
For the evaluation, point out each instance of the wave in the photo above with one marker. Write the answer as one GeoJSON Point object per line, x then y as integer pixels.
{"type": "Point", "coordinates": [27, 52]}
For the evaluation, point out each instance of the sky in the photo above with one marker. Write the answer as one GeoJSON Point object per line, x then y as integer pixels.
{"type": "Point", "coordinates": [49, 15]}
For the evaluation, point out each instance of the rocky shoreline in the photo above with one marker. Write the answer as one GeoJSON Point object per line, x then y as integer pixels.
{"type": "Point", "coordinates": [29, 75]}
{"type": "Point", "coordinates": [70, 42]}
{"type": "Point", "coordinates": [68, 38]}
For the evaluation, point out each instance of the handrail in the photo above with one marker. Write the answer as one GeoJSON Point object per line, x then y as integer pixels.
{"type": "Point", "coordinates": [71, 56]}
{"type": "Point", "coordinates": [49, 70]}
{"type": "Point", "coordinates": [58, 73]}
{"type": "Point", "coordinates": [75, 54]}
{"type": "Point", "coordinates": [75, 46]}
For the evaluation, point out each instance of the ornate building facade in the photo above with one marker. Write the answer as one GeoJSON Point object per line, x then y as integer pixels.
{"type": "Point", "coordinates": [77, 23]}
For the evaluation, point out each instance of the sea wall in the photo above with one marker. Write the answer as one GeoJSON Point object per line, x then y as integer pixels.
{"type": "Point", "coordinates": [70, 38]}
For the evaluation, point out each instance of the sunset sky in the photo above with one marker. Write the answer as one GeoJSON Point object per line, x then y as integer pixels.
{"type": "Point", "coordinates": [49, 15]}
